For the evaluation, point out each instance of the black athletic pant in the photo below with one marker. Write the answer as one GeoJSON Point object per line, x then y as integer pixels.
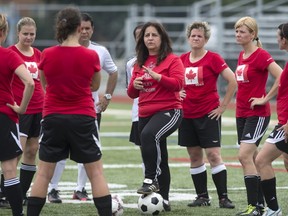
{"type": "Point", "coordinates": [153, 132]}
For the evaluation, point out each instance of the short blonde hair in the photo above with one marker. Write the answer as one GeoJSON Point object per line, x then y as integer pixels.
{"type": "Point", "coordinates": [251, 24]}
{"type": "Point", "coordinates": [199, 25]}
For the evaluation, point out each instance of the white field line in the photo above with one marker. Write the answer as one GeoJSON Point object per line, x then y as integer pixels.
{"type": "Point", "coordinates": [126, 114]}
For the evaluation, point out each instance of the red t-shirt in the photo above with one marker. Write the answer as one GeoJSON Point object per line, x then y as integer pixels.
{"type": "Point", "coordinates": [9, 62]}
{"type": "Point", "coordinates": [201, 84]}
{"type": "Point", "coordinates": [282, 97]}
{"type": "Point", "coordinates": [31, 62]}
{"type": "Point", "coordinates": [68, 72]}
{"type": "Point", "coordinates": [158, 96]}
{"type": "Point", "coordinates": [251, 75]}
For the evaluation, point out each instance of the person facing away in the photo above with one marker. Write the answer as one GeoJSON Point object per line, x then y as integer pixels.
{"type": "Point", "coordinates": [157, 78]}
{"type": "Point", "coordinates": [108, 65]}
{"type": "Point", "coordinates": [276, 144]}
{"type": "Point", "coordinates": [200, 129]}
{"type": "Point", "coordinates": [252, 106]}
{"type": "Point", "coordinates": [68, 73]}
{"type": "Point", "coordinates": [29, 122]}
{"type": "Point", "coordinates": [11, 64]}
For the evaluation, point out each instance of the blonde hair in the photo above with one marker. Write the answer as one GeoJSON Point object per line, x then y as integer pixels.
{"type": "Point", "coordinates": [252, 26]}
{"type": "Point", "coordinates": [199, 25]}
{"type": "Point", "coordinates": [25, 21]}
{"type": "Point", "coordinates": [3, 23]}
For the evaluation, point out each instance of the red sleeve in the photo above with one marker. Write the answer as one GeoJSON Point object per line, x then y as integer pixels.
{"type": "Point", "coordinates": [175, 81]}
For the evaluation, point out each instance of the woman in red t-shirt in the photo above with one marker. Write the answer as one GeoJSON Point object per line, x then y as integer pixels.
{"type": "Point", "coordinates": [252, 104]}
{"type": "Point", "coordinates": [276, 143]}
{"type": "Point", "coordinates": [200, 129]}
{"type": "Point", "coordinates": [68, 73]}
{"type": "Point", "coordinates": [29, 122]}
{"type": "Point", "coordinates": [10, 64]}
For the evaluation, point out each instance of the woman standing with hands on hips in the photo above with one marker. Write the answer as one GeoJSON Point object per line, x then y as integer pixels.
{"type": "Point", "coordinates": [157, 78]}
{"type": "Point", "coordinates": [200, 129]}
{"type": "Point", "coordinates": [10, 64]}
{"type": "Point", "coordinates": [252, 105]}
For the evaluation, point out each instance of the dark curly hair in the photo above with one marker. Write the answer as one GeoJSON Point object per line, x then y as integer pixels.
{"type": "Point", "coordinates": [67, 22]}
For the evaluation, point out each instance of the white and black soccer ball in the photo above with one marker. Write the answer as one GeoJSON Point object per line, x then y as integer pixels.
{"type": "Point", "coordinates": [117, 205]}
{"type": "Point", "coordinates": [151, 204]}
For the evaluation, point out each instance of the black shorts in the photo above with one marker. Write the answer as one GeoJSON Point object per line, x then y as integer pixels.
{"type": "Point", "coordinates": [9, 139]}
{"type": "Point", "coordinates": [278, 138]}
{"type": "Point", "coordinates": [134, 134]}
{"type": "Point", "coordinates": [29, 125]}
{"type": "Point", "coordinates": [74, 135]}
{"type": "Point", "coordinates": [251, 129]}
{"type": "Point", "coordinates": [204, 132]}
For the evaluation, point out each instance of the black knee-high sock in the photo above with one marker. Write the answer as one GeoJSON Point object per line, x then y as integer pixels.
{"type": "Point", "coordinates": [14, 195]}
{"type": "Point", "coordinates": [220, 181]}
{"type": "Point", "coordinates": [103, 205]}
{"type": "Point", "coordinates": [26, 176]}
{"type": "Point", "coordinates": [2, 186]}
{"type": "Point", "coordinates": [269, 191]}
{"type": "Point", "coordinates": [261, 200]}
{"type": "Point", "coordinates": [251, 183]}
{"type": "Point", "coordinates": [200, 182]}
{"type": "Point", "coordinates": [35, 205]}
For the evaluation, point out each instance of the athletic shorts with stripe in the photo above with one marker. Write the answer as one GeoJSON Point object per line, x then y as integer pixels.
{"type": "Point", "coordinates": [74, 135]}
{"type": "Point", "coordinates": [251, 129]}
{"type": "Point", "coordinates": [204, 132]}
{"type": "Point", "coordinates": [277, 137]}
{"type": "Point", "coordinates": [9, 134]}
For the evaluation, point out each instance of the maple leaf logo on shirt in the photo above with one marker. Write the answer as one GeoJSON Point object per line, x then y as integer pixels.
{"type": "Point", "coordinates": [242, 73]}
{"type": "Point", "coordinates": [194, 76]}
{"type": "Point", "coordinates": [191, 74]}
{"type": "Point", "coordinates": [33, 69]}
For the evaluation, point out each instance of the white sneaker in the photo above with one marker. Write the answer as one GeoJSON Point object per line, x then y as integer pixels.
{"type": "Point", "coordinates": [270, 212]}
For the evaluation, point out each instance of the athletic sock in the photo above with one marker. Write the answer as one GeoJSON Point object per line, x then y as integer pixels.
{"type": "Point", "coordinates": [269, 191]}
{"type": "Point", "coordinates": [261, 201]}
{"type": "Point", "coordinates": [251, 183]}
{"type": "Point", "coordinates": [2, 186]}
{"type": "Point", "coordinates": [26, 176]}
{"type": "Point", "coordinates": [35, 205]}
{"type": "Point", "coordinates": [199, 177]}
{"type": "Point", "coordinates": [103, 205]}
{"type": "Point", "coordinates": [219, 176]}
{"type": "Point", "coordinates": [13, 193]}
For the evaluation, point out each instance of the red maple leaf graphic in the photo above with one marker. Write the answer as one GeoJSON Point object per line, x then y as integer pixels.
{"type": "Point", "coordinates": [239, 72]}
{"type": "Point", "coordinates": [32, 69]}
{"type": "Point", "coordinates": [191, 74]}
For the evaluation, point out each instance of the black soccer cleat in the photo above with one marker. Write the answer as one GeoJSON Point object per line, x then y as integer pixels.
{"type": "Point", "coordinates": [149, 186]}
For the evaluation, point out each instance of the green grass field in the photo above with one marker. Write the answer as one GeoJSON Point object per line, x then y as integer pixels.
{"type": "Point", "coordinates": [122, 163]}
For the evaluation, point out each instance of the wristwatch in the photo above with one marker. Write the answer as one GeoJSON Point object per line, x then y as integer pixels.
{"type": "Point", "coordinates": [108, 96]}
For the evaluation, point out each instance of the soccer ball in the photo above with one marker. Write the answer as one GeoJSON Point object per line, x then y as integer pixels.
{"type": "Point", "coordinates": [151, 204]}
{"type": "Point", "coordinates": [117, 205]}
